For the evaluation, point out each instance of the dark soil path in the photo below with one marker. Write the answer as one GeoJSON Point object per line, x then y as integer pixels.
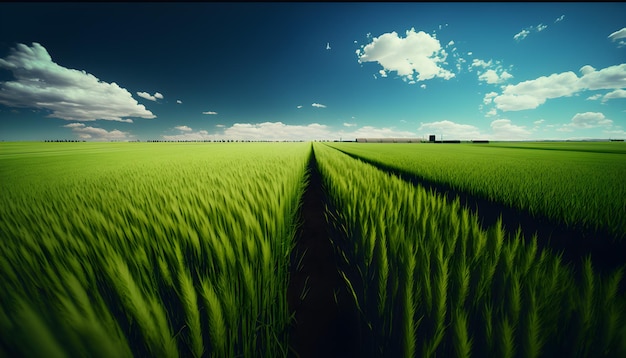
{"type": "Point", "coordinates": [326, 323]}
{"type": "Point", "coordinates": [606, 250]}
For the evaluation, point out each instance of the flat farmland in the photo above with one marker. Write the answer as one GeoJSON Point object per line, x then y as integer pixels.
{"type": "Point", "coordinates": [306, 249]}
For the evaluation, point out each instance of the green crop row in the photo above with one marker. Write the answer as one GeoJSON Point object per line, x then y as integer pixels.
{"type": "Point", "coordinates": [118, 250]}
{"type": "Point", "coordinates": [428, 281]}
{"type": "Point", "coordinates": [576, 183]}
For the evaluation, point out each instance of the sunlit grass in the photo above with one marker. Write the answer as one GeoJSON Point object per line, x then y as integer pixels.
{"type": "Point", "coordinates": [153, 249]}
{"type": "Point", "coordinates": [576, 183]}
{"type": "Point", "coordinates": [476, 292]}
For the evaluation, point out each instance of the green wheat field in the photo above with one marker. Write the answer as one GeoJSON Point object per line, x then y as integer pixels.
{"type": "Point", "coordinates": [183, 249]}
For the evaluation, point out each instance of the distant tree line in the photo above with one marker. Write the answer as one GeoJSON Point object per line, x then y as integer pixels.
{"type": "Point", "coordinates": [65, 140]}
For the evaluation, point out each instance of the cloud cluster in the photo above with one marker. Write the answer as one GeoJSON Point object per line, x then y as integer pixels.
{"type": "Point", "coordinates": [97, 134]}
{"type": "Point", "coordinates": [147, 96]}
{"type": "Point", "coordinates": [280, 131]}
{"type": "Point", "coordinates": [416, 57]}
{"type": "Point", "coordinates": [493, 72]}
{"type": "Point", "coordinates": [533, 93]}
{"type": "Point", "coordinates": [501, 129]}
{"type": "Point", "coordinates": [67, 93]}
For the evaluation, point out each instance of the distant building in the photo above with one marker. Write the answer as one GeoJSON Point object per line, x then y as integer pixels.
{"type": "Point", "coordinates": [431, 138]}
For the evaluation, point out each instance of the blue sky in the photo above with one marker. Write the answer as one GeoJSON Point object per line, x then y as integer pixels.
{"type": "Point", "coordinates": [312, 71]}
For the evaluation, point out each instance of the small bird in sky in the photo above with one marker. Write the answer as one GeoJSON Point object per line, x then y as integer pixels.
{"type": "Point", "coordinates": [328, 45]}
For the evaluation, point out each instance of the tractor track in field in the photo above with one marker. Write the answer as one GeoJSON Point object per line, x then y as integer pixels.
{"type": "Point", "coordinates": [575, 243]}
{"type": "Point", "coordinates": [326, 323]}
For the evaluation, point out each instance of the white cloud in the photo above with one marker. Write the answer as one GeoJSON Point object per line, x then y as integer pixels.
{"type": "Point", "coordinates": [423, 86]}
{"type": "Point", "coordinates": [504, 129]}
{"type": "Point", "coordinates": [374, 132]}
{"type": "Point", "coordinates": [618, 93]}
{"type": "Point", "coordinates": [97, 134]}
{"type": "Point", "coordinates": [521, 35]}
{"type": "Point", "coordinates": [299, 107]}
{"type": "Point", "coordinates": [328, 45]}
{"type": "Point", "coordinates": [594, 97]}
{"type": "Point", "coordinates": [505, 76]}
{"type": "Point", "coordinates": [489, 97]}
{"type": "Point", "coordinates": [382, 73]}
{"type": "Point", "coordinates": [318, 105]}
{"type": "Point", "coordinates": [532, 93]}
{"type": "Point", "coordinates": [451, 43]}
{"type": "Point", "coordinates": [183, 128]}
{"type": "Point", "coordinates": [179, 101]}
{"type": "Point", "coordinates": [538, 122]}
{"type": "Point", "coordinates": [492, 112]}
{"type": "Point", "coordinates": [418, 53]}
{"type": "Point", "coordinates": [612, 77]}
{"type": "Point", "coordinates": [209, 112]}
{"type": "Point", "coordinates": [480, 63]}
{"type": "Point", "coordinates": [450, 130]}
{"type": "Point", "coordinates": [279, 131]}
{"type": "Point", "coordinates": [525, 32]}
{"type": "Point", "coordinates": [147, 96]}
{"type": "Point", "coordinates": [619, 34]}
{"type": "Point", "coordinates": [490, 77]}
{"type": "Point", "coordinates": [559, 19]}
{"type": "Point", "coordinates": [590, 120]}
{"type": "Point", "coordinates": [69, 94]}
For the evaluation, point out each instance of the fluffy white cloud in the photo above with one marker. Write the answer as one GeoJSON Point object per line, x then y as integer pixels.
{"type": "Point", "coordinates": [450, 130]}
{"type": "Point", "coordinates": [423, 86]}
{"type": "Point", "coordinates": [501, 129]}
{"type": "Point", "coordinates": [492, 112]}
{"type": "Point", "coordinates": [494, 73]}
{"type": "Point", "coordinates": [504, 129]}
{"type": "Point", "coordinates": [97, 134]}
{"type": "Point", "coordinates": [318, 105]}
{"type": "Point", "coordinates": [612, 77]}
{"type": "Point", "coordinates": [69, 94]}
{"type": "Point", "coordinates": [594, 97]}
{"type": "Point", "coordinates": [559, 19]}
{"type": "Point", "coordinates": [619, 34]}
{"type": "Point", "coordinates": [382, 73]}
{"type": "Point", "coordinates": [179, 101]}
{"type": "Point", "coordinates": [541, 27]}
{"type": "Point", "coordinates": [147, 96]}
{"type": "Point", "coordinates": [619, 93]}
{"type": "Point", "coordinates": [374, 132]}
{"type": "Point", "coordinates": [480, 63]}
{"type": "Point", "coordinates": [418, 54]}
{"type": "Point", "coordinates": [279, 131]}
{"type": "Point", "coordinates": [532, 93]}
{"type": "Point", "coordinates": [590, 120]}
{"type": "Point", "coordinates": [299, 107]}
{"type": "Point", "coordinates": [209, 112]}
{"type": "Point", "coordinates": [183, 128]}
{"type": "Point", "coordinates": [489, 97]}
